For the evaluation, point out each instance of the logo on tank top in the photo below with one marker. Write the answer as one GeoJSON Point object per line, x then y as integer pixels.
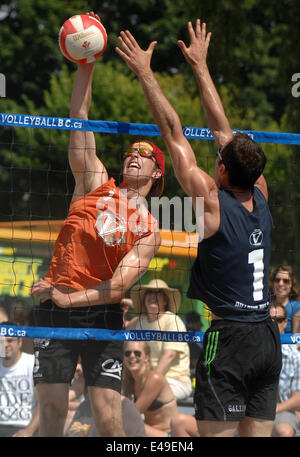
{"type": "Point", "coordinates": [256, 238]}
{"type": "Point", "coordinates": [111, 228]}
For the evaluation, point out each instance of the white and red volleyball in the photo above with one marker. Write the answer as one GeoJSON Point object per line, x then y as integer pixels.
{"type": "Point", "coordinates": [82, 39]}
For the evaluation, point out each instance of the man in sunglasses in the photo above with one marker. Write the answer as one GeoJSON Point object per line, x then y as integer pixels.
{"type": "Point", "coordinates": [104, 246]}
{"type": "Point", "coordinates": [286, 422]}
{"type": "Point", "coordinates": [236, 380]}
{"type": "Point", "coordinates": [19, 413]}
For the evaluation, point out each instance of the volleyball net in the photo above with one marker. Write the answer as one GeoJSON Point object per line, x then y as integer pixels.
{"type": "Point", "coordinates": [36, 186]}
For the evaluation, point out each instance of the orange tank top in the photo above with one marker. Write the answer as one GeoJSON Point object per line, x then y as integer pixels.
{"type": "Point", "coordinates": [101, 228]}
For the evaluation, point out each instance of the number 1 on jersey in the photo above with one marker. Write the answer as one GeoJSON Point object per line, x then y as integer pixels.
{"type": "Point", "coordinates": [256, 258]}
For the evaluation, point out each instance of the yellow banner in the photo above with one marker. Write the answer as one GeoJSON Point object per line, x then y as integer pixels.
{"type": "Point", "coordinates": [17, 274]}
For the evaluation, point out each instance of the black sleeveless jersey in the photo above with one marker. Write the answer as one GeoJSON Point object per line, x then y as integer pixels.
{"type": "Point", "coordinates": [231, 271]}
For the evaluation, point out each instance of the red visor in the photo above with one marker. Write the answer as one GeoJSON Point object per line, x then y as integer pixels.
{"type": "Point", "coordinates": [158, 154]}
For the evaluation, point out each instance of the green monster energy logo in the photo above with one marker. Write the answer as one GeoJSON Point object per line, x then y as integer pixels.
{"type": "Point", "coordinates": [211, 349]}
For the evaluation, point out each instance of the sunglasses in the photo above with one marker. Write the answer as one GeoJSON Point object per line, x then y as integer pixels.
{"type": "Point", "coordinates": [143, 152]}
{"type": "Point", "coordinates": [284, 280]}
{"type": "Point", "coordinates": [11, 340]}
{"type": "Point", "coordinates": [136, 353]}
{"type": "Point", "coordinates": [278, 319]}
{"type": "Point", "coordinates": [156, 292]}
{"type": "Point", "coordinates": [218, 154]}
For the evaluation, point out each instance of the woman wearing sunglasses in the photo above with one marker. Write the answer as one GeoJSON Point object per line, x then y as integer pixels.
{"type": "Point", "coordinates": [285, 291]}
{"type": "Point", "coordinates": [150, 390]}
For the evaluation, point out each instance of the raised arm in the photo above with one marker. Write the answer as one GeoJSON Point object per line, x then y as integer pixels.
{"type": "Point", "coordinates": [196, 56]}
{"type": "Point", "coordinates": [192, 179]}
{"type": "Point", "coordinates": [87, 169]}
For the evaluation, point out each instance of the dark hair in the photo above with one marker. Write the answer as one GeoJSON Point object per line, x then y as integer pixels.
{"type": "Point", "coordinates": [192, 316]}
{"type": "Point", "coordinates": [11, 322]}
{"type": "Point", "coordinates": [193, 321]}
{"type": "Point", "coordinates": [244, 161]}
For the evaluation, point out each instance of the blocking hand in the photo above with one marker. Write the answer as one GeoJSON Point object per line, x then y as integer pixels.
{"type": "Point", "coordinates": [136, 58]}
{"type": "Point", "coordinates": [196, 53]}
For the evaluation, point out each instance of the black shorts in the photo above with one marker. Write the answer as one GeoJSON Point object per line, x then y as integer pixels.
{"type": "Point", "coordinates": [239, 373]}
{"type": "Point", "coordinates": [56, 359]}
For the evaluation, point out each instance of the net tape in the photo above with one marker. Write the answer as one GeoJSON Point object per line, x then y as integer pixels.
{"type": "Point", "coordinates": [119, 335]}
{"type": "Point", "coordinates": [192, 133]}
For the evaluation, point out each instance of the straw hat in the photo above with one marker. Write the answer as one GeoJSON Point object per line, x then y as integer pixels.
{"type": "Point", "coordinates": [138, 292]}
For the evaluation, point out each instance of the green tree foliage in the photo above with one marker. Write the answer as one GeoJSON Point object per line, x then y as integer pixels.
{"type": "Point", "coordinates": [29, 29]}
{"type": "Point", "coordinates": [253, 48]}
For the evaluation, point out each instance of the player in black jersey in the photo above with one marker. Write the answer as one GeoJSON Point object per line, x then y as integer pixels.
{"type": "Point", "coordinates": [237, 379]}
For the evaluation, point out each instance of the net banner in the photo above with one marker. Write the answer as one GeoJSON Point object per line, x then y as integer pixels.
{"type": "Point", "coordinates": [192, 133]}
{"type": "Point", "coordinates": [120, 335]}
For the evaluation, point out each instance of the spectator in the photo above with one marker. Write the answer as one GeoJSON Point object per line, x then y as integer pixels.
{"type": "Point", "coordinates": [21, 313]}
{"type": "Point", "coordinates": [193, 324]}
{"type": "Point", "coordinates": [286, 422]}
{"type": "Point", "coordinates": [3, 314]}
{"type": "Point", "coordinates": [19, 414]}
{"type": "Point", "coordinates": [158, 304]}
{"type": "Point", "coordinates": [193, 321]}
{"type": "Point", "coordinates": [150, 389]}
{"type": "Point", "coordinates": [284, 291]}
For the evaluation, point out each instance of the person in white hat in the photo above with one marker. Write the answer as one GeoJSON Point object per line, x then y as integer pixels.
{"type": "Point", "coordinates": [158, 305]}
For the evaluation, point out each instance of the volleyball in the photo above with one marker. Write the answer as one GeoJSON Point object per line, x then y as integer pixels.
{"type": "Point", "coordinates": [82, 39]}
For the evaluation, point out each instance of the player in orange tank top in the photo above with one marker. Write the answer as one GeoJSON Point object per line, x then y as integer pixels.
{"type": "Point", "coordinates": [100, 230]}
{"type": "Point", "coordinates": [104, 246]}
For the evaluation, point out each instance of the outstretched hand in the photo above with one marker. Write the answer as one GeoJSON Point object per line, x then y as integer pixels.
{"type": "Point", "coordinates": [196, 53]}
{"type": "Point", "coordinates": [136, 58]}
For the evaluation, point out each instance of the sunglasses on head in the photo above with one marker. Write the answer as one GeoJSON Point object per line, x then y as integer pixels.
{"type": "Point", "coordinates": [11, 340]}
{"type": "Point", "coordinates": [218, 154]}
{"type": "Point", "coordinates": [284, 280]}
{"type": "Point", "coordinates": [136, 353]}
{"type": "Point", "coordinates": [142, 152]}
